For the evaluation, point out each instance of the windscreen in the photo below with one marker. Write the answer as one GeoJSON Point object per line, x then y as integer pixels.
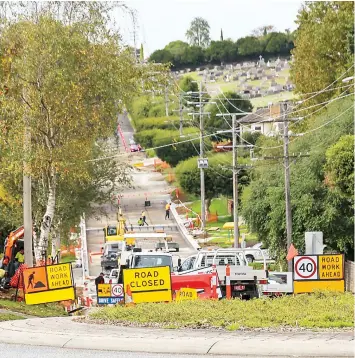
{"type": "Point", "coordinates": [151, 261]}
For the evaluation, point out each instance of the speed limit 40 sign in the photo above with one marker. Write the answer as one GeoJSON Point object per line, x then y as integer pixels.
{"type": "Point", "coordinates": [305, 268]}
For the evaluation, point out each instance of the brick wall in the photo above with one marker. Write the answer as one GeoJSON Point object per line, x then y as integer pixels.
{"type": "Point", "coordinates": [349, 276]}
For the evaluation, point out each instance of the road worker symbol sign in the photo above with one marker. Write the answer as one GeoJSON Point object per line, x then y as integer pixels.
{"type": "Point", "coordinates": [35, 279]}
{"type": "Point", "coordinates": [331, 267]}
{"type": "Point", "coordinates": [50, 283]}
{"type": "Point", "coordinates": [305, 268]}
{"type": "Point", "coordinates": [152, 284]}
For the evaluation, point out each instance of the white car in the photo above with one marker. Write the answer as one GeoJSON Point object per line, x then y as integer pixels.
{"type": "Point", "coordinates": [253, 254]}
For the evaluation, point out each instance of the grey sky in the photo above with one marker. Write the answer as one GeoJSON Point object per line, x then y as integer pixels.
{"type": "Point", "coordinates": [163, 21]}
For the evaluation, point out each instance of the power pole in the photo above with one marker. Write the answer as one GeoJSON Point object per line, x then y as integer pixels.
{"type": "Point", "coordinates": [27, 202]}
{"type": "Point", "coordinates": [180, 113]}
{"type": "Point", "coordinates": [202, 172]}
{"type": "Point", "coordinates": [287, 183]}
{"type": "Point", "coordinates": [235, 182]}
{"type": "Point", "coordinates": [166, 101]}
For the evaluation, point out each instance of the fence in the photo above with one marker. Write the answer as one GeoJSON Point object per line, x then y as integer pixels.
{"type": "Point", "coordinates": [349, 276]}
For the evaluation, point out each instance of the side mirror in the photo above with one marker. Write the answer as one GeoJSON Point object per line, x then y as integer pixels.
{"type": "Point", "coordinates": [175, 269]}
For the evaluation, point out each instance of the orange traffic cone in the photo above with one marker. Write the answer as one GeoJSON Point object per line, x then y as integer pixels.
{"type": "Point", "coordinates": [128, 295]}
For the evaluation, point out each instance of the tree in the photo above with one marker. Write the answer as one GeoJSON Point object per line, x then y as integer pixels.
{"type": "Point", "coordinates": [66, 87]}
{"type": "Point", "coordinates": [315, 205]}
{"type": "Point", "coordinates": [249, 46]}
{"type": "Point", "coordinates": [199, 32]}
{"type": "Point", "coordinates": [339, 166]}
{"type": "Point", "coordinates": [276, 43]}
{"type": "Point", "coordinates": [263, 30]}
{"type": "Point", "coordinates": [229, 102]}
{"type": "Point", "coordinates": [322, 48]}
{"type": "Point", "coordinates": [222, 51]}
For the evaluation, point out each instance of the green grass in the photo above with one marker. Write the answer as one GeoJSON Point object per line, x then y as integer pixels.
{"type": "Point", "coordinates": [263, 101]}
{"type": "Point", "coordinates": [318, 310]}
{"type": "Point", "coordinates": [42, 310]}
{"type": "Point", "coordinates": [9, 317]}
{"type": "Point", "coordinates": [67, 258]}
{"type": "Point", "coordinates": [219, 206]}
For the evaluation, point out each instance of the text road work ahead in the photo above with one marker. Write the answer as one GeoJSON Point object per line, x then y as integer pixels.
{"type": "Point", "coordinates": [331, 267]}
{"type": "Point", "coordinates": [59, 276]}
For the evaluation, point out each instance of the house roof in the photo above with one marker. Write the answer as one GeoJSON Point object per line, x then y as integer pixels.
{"type": "Point", "coordinates": [260, 115]}
{"type": "Point", "coordinates": [263, 114]}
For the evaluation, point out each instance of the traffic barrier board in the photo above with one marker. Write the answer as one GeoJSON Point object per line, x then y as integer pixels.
{"type": "Point", "coordinates": [186, 294]}
{"type": "Point", "coordinates": [305, 268]}
{"type": "Point", "coordinates": [151, 284]}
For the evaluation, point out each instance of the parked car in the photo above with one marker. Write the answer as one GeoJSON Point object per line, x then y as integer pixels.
{"type": "Point", "coordinates": [254, 254]}
{"type": "Point", "coordinates": [135, 148]}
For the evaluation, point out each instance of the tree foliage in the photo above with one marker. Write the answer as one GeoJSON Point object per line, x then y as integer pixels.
{"type": "Point", "coordinates": [228, 102]}
{"type": "Point", "coordinates": [324, 47]}
{"type": "Point", "coordinates": [67, 81]}
{"type": "Point", "coordinates": [182, 55]}
{"type": "Point", "coordinates": [198, 33]}
{"type": "Point", "coordinates": [315, 205]}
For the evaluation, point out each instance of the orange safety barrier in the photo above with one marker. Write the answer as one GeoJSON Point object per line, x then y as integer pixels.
{"type": "Point", "coordinates": [228, 283]}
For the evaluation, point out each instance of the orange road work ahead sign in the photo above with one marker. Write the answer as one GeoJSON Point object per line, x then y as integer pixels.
{"type": "Point", "coordinates": [50, 283]}
{"type": "Point", "coordinates": [35, 279]}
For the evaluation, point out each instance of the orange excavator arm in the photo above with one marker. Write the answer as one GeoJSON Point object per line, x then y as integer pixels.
{"type": "Point", "coordinates": [11, 239]}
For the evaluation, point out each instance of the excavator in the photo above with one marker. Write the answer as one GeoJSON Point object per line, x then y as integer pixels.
{"type": "Point", "coordinates": [13, 244]}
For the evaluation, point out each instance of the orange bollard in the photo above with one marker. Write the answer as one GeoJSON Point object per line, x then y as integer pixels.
{"type": "Point", "coordinates": [228, 283]}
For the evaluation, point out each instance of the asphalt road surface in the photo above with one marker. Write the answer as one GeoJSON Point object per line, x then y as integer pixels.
{"type": "Point", "coordinates": [147, 185]}
{"type": "Point", "coordinates": [15, 351]}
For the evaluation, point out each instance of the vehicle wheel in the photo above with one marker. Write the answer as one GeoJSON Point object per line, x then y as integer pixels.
{"type": "Point", "coordinates": [250, 259]}
{"type": "Point", "coordinates": [177, 250]}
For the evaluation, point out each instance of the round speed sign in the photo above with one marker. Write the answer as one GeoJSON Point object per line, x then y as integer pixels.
{"type": "Point", "coordinates": [117, 290]}
{"type": "Point", "coordinates": [305, 268]}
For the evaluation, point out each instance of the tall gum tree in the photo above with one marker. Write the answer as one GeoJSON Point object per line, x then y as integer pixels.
{"type": "Point", "coordinates": [67, 83]}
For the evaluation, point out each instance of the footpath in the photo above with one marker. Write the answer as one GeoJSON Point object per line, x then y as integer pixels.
{"type": "Point", "coordinates": [65, 332]}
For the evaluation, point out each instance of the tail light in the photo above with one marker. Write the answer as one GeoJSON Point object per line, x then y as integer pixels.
{"type": "Point", "coordinates": [110, 281]}
{"type": "Point", "coordinates": [239, 288]}
{"type": "Point", "coordinates": [263, 282]}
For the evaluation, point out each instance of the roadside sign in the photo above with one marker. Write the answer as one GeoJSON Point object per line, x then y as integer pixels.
{"type": "Point", "coordinates": [318, 272]}
{"type": "Point", "coordinates": [109, 300]}
{"type": "Point", "coordinates": [331, 267]}
{"type": "Point", "coordinates": [50, 283]}
{"type": "Point", "coordinates": [104, 290]}
{"type": "Point", "coordinates": [109, 294]}
{"type": "Point", "coordinates": [310, 286]}
{"type": "Point", "coordinates": [151, 284]}
{"type": "Point", "coordinates": [186, 294]}
{"type": "Point", "coordinates": [305, 268]}
{"type": "Point", "coordinates": [117, 291]}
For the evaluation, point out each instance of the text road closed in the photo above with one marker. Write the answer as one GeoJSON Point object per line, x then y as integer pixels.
{"type": "Point", "coordinates": [148, 279]}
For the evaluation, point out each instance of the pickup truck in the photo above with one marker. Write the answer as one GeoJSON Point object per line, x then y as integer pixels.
{"type": "Point", "coordinates": [246, 282]}
{"type": "Point", "coordinates": [139, 259]}
{"type": "Point", "coordinates": [254, 253]}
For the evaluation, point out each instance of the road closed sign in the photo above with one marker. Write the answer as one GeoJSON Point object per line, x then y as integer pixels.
{"type": "Point", "coordinates": [152, 284]}
{"type": "Point", "coordinates": [305, 268]}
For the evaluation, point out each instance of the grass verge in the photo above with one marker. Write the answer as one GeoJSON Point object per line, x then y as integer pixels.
{"type": "Point", "coordinates": [43, 310]}
{"type": "Point", "coordinates": [318, 310]}
{"type": "Point", "coordinates": [9, 317]}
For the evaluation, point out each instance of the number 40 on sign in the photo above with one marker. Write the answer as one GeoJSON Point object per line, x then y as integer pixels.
{"type": "Point", "coordinates": [305, 268]}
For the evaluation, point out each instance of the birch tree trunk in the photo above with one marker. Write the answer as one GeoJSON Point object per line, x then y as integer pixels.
{"type": "Point", "coordinates": [42, 244]}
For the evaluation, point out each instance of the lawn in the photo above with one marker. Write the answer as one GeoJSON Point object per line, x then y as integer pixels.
{"type": "Point", "coordinates": [67, 258]}
{"type": "Point", "coordinates": [9, 317]}
{"type": "Point", "coordinates": [43, 310]}
{"type": "Point", "coordinates": [264, 101]}
{"type": "Point", "coordinates": [317, 310]}
{"type": "Point", "coordinates": [218, 205]}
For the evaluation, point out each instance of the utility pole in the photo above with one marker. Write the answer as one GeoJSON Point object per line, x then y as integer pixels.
{"type": "Point", "coordinates": [235, 182]}
{"type": "Point", "coordinates": [166, 101]}
{"type": "Point", "coordinates": [202, 171]}
{"type": "Point", "coordinates": [180, 113]}
{"type": "Point", "coordinates": [287, 183]}
{"type": "Point", "coordinates": [27, 202]}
